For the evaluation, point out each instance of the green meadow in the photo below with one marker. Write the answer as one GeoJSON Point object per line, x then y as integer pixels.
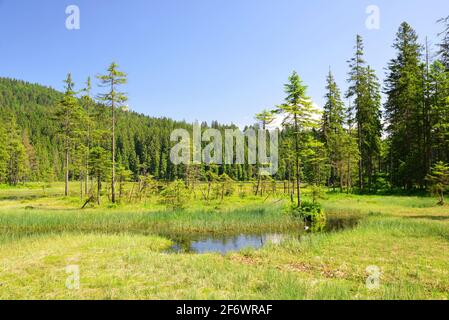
{"type": "Point", "coordinates": [122, 252]}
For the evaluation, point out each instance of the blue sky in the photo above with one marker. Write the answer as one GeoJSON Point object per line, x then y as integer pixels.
{"type": "Point", "coordinates": [203, 59]}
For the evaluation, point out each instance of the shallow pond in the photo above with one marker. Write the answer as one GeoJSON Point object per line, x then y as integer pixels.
{"type": "Point", "coordinates": [231, 243]}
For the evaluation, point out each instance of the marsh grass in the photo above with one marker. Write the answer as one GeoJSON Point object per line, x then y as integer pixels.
{"type": "Point", "coordinates": [21, 223]}
{"type": "Point", "coordinates": [121, 251]}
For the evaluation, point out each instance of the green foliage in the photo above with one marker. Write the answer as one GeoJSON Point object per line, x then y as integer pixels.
{"type": "Point", "coordinates": [15, 159]}
{"type": "Point", "coordinates": [404, 110]}
{"type": "Point", "coordinates": [333, 133]}
{"type": "Point", "coordinates": [227, 185]}
{"type": "Point", "coordinates": [175, 195]}
{"type": "Point", "coordinates": [3, 154]}
{"type": "Point", "coordinates": [299, 116]}
{"type": "Point", "coordinates": [365, 113]}
{"type": "Point", "coordinates": [46, 135]}
{"type": "Point", "coordinates": [266, 117]}
{"type": "Point", "coordinates": [444, 44]}
{"type": "Point", "coordinates": [311, 213]}
{"type": "Point", "coordinates": [143, 143]}
{"type": "Point", "coordinates": [99, 166]}
{"type": "Point", "coordinates": [123, 175]}
{"type": "Point", "coordinates": [381, 183]}
{"type": "Point", "coordinates": [438, 100]}
{"type": "Point", "coordinates": [114, 99]}
{"type": "Point", "coordinates": [439, 180]}
{"type": "Point", "coordinates": [99, 163]}
{"type": "Point", "coordinates": [317, 192]}
{"type": "Point", "coordinates": [69, 116]}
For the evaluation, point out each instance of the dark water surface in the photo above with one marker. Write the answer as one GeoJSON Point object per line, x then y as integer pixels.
{"type": "Point", "coordinates": [231, 243]}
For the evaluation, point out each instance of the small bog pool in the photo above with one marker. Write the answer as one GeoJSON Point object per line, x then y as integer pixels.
{"type": "Point", "coordinates": [223, 244]}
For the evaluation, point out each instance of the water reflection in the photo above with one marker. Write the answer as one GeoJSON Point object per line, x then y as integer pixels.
{"type": "Point", "coordinates": [224, 244]}
{"type": "Point", "coordinates": [231, 243]}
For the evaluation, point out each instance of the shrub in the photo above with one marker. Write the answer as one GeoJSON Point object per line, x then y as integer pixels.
{"type": "Point", "coordinates": [439, 180]}
{"type": "Point", "coordinates": [175, 195]}
{"type": "Point", "coordinates": [317, 192]}
{"type": "Point", "coordinates": [311, 213]}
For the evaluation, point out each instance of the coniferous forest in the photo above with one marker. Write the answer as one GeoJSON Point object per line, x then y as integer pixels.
{"type": "Point", "coordinates": [362, 146]}
{"type": "Point", "coordinates": [345, 199]}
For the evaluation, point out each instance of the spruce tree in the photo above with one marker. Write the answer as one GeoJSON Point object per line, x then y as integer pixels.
{"type": "Point", "coordinates": [3, 153]}
{"type": "Point", "coordinates": [372, 127]}
{"type": "Point", "coordinates": [99, 164]}
{"type": "Point", "coordinates": [115, 99]}
{"type": "Point", "coordinates": [16, 158]}
{"type": "Point", "coordinates": [404, 111]}
{"type": "Point", "coordinates": [439, 111]}
{"type": "Point", "coordinates": [69, 116]}
{"type": "Point", "coordinates": [332, 130]}
{"type": "Point", "coordinates": [300, 116]}
{"type": "Point", "coordinates": [364, 89]}
{"type": "Point", "coordinates": [265, 118]}
{"type": "Point", "coordinates": [356, 91]}
{"type": "Point", "coordinates": [444, 45]}
{"type": "Point", "coordinates": [89, 128]}
{"type": "Point", "coordinates": [439, 180]}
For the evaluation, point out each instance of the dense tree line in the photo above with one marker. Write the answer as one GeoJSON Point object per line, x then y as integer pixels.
{"type": "Point", "coordinates": [360, 145]}
{"type": "Point", "coordinates": [46, 135]}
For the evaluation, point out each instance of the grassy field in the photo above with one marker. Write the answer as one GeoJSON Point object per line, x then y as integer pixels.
{"type": "Point", "coordinates": [122, 254]}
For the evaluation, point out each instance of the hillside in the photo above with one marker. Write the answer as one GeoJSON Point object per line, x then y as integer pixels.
{"type": "Point", "coordinates": [143, 142]}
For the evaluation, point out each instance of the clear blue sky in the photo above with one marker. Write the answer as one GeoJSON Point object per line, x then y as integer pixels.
{"type": "Point", "coordinates": [203, 59]}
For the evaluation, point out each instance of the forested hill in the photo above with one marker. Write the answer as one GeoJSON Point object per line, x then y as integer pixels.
{"type": "Point", "coordinates": [27, 117]}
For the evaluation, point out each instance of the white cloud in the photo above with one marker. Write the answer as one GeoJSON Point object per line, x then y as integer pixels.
{"type": "Point", "coordinates": [277, 123]}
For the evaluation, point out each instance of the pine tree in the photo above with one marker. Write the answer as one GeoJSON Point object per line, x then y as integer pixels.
{"type": "Point", "coordinates": [332, 130]}
{"type": "Point", "coordinates": [89, 124]}
{"type": "Point", "coordinates": [16, 157]}
{"type": "Point", "coordinates": [299, 114]}
{"type": "Point", "coordinates": [3, 153]}
{"type": "Point", "coordinates": [426, 111]}
{"type": "Point", "coordinates": [99, 164]}
{"type": "Point", "coordinates": [444, 45]}
{"type": "Point", "coordinates": [32, 164]}
{"type": "Point", "coordinates": [439, 110]}
{"type": "Point", "coordinates": [69, 115]}
{"type": "Point", "coordinates": [365, 90]}
{"type": "Point", "coordinates": [404, 111]}
{"type": "Point", "coordinates": [372, 127]}
{"type": "Point", "coordinates": [439, 180]}
{"type": "Point", "coordinates": [351, 156]}
{"type": "Point", "coordinates": [114, 99]}
{"type": "Point", "coordinates": [265, 118]}
{"type": "Point", "coordinates": [356, 91]}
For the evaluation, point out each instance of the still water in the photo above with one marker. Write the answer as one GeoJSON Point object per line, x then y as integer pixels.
{"type": "Point", "coordinates": [231, 243]}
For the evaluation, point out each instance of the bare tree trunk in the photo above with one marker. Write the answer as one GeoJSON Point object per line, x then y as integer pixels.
{"type": "Point", "coordinates": [298, 167]}
{"type": "Point", "coordinates": [222, 191]}
{"type": "Point", "coordinates": [258, 184]}
{"type": "Point", "coordinates": [98, 190]}
{"type": "Point", "coordinates": [208, 189]}
{"type": "Point", "coordinates": [66, 191]}
{"type": "Point", "coordinates": [86, 187]}
{"type": "Point", "coordinates": [349, 175]}
{"type": "Point", "coordinates": [359, 134]}
{"type": "Point", "coordinates": [113, 150]}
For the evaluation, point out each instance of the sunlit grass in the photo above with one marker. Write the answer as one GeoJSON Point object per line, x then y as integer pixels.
{"type": "Point", "coordinates": [121, 251]}
{"type": "Point", "coordinates": [19, 223]}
